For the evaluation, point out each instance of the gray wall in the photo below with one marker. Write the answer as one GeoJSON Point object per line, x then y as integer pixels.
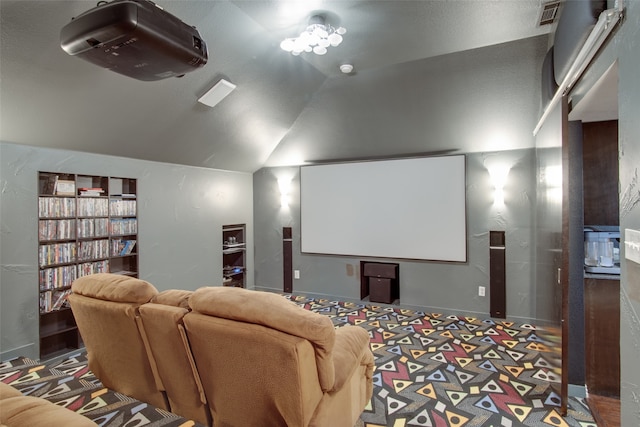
{"type": "Point", "coordinates": [480, 100]}
{"type": "Point", "coordinates": [181, 211]}
{"type": "Point", "coordinates": [624, 48]}
{"type": "Point", "coordinates": [435, 286]}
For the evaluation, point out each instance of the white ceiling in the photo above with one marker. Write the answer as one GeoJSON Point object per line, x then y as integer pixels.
{"type": "Point", "coordinates": [50, 99]}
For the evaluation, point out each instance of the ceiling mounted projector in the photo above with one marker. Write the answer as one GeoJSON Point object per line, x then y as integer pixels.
{"type": "Point", "coordinates": [136, 38]}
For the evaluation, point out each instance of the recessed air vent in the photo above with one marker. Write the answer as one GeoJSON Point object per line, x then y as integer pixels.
{"type": "Point", "coordinates": [549, 13]}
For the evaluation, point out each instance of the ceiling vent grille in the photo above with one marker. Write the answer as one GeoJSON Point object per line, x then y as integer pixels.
{"type": "Point", "coordinates": [549, 13]}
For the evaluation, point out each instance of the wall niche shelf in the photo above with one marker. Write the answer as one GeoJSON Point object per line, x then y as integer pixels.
{"type": "Point", "coordinates": [234, 255]}
{"type": "Point", "coordinates": [86, 224]}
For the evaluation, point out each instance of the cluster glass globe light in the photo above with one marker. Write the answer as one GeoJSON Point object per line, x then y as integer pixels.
{"type": "Point", "coordinates": [317, 37]}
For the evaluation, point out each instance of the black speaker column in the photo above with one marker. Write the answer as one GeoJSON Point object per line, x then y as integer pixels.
{"type": "Point", "coordinates": [497, 280]}
{"type": "Point", "coordinates": [287, 256]}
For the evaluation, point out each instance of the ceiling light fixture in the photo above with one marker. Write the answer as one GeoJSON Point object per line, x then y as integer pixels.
{"type": "Point", "coordinates": [217, 93]}
{"type": "Point", "coordinates": [316, 38]}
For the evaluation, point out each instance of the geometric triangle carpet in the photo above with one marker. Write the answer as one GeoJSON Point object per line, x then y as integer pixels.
{"type": "Point", "coordinates": [436, 370]}
{"type": "Point", "coordinates": [431, 370]}
{"type": "Point", "coordinates": [69, 383]}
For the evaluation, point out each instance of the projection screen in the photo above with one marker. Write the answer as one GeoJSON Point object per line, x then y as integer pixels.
{"type": "Point", "coordinates": [411, 208]}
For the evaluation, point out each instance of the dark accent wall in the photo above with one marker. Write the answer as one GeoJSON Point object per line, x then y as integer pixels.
{"type": "Point", "coordinates": [576, 374]}
{"type": "Point", "coordinates": [601, 183]}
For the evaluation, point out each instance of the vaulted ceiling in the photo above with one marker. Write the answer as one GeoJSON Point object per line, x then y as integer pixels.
{"type": "Point", "coordinates": [285, 109]}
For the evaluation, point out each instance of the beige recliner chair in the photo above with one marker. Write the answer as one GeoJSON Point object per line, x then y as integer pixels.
{"type": "Point", "coordinates": [106, 310]}
{"type": "Point", "coordinates": [265, 361]}
{"type": "Point", "coordinates": [162, 321]}
{"type": "Point", "coordinates": [17, 410]}
{"type": "Point", "coordinates": [136, 342]}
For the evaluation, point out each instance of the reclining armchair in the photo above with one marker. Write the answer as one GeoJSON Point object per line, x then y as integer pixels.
{"type": "Point", "coordinates": [105, 307]}
{"type": "Point", "coordinates": [265, 361]}
{"type": "Point", "coordinates": [136, 344]}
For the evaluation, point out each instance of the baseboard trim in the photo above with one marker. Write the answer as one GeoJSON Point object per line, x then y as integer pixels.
{"type": "Point", "coordinates": [400, 303]}
{"type": "Point", "coordinates": [28, 350]}
{"type": "Point", "coordinates": [577, 390]}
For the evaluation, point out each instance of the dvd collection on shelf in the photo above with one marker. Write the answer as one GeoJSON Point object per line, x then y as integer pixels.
{"type": "Point", "coordinates": [57, 277]}
{"type": "Point", "coordinates": [54, 300]}
{"type": "Point", "coordinates": [58, 207]}
{"type": "Point", "coordinates": [93, 227]}
{"type": "Point", "coordinates": [83, 229]}
{"type": "Point", "coordinates": [122, 247]}
{"type": "Point", "coordinates": [93, 249]}
{"type": "Point", "coordinates": [93, 207]}
{"type": "Point", "coordinates": [119, 207]}
{"type": "Point", "coordinates": [56, 229]}
{"type": "Point", "coordinates": [57, 253]}
{"type": "Point", "coordinates": [87, 268]}
{"type": "Point", "coordinates": [86, 224]}
{"type": "Point", "coordinates": [123, 226]}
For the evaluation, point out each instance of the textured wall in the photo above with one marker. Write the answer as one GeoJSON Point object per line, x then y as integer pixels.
{"type": "Point", "coordinates": [482, 100]}
{"type": "Point", "coordinates": [625, 48]}
{"type": "Point", "coordinates": [629, 145]}
{"type": "Point", "coordinates": [437, 286]}
{"type": "Point", "coordinates": [181, 211]}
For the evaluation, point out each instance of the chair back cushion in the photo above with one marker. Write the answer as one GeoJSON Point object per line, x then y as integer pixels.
{"type": "Point", "coordinates": [174, 297]}
{"type": "Point", "coordinates": [105, 307]}
{"type": "Point", "coordinates": [254, 375]}
{"type": "Point", "coordinates": [276, 312]}
{"type": "Point", "coordinates": [168, 342]}
{"type": "Point", "coordinates": [115, 288]}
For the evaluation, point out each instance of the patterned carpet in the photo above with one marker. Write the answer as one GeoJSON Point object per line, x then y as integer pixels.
{"type": "Point", "coordinates": [435, 370]}
{"type": "Point", "coordinates": [431, 370]}
{"type": "Point", "coordinates": [70, 384]}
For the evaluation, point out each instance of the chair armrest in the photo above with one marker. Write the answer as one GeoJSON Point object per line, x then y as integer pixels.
{"type": "Point", "coordinates": [351, 351]}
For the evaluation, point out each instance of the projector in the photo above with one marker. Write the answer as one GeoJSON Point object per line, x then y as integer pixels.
{"type": "Point", "coordinates": [136, 38]}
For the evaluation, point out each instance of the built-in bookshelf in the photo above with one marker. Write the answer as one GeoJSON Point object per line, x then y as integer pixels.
{"type": "Point", "coordinates": [86, 224]}
{"type": "Point", "coordinates": [234, 255]}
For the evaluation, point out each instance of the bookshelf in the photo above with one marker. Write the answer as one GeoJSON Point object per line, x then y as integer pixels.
{"type": "Point", "coordinates": [234, 248]}
{"type": "Point", "coordinates": [86, 224]}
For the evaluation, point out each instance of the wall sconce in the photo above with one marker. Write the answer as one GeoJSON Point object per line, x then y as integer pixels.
{"type": "Point", "coordinates": [498, 174]}
{"type": "Point", "coordinates": [284, 184]}
{"type": "Point", "coordinates": [551, 177]}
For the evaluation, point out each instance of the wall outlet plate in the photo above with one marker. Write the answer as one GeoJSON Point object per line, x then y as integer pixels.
{"type": "Point", "coordinates": [481, 291]}
{"type": "Point", "coordinates": [296, 274]}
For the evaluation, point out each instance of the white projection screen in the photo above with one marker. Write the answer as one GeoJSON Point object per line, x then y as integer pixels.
{"type": "Point", "coordinates": [411, 208]}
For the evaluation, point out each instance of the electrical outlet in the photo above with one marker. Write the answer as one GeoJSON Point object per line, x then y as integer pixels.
{"type": "Point", "coordinates": [481, 291]}
{"type": "Point", "coordinates": [296, 274]}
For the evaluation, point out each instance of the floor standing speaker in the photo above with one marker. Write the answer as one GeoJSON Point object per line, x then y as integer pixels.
{"type": "Point", "coordinates": [287, 256]}
{"type": "Point", "coordinates": [497, 280]}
